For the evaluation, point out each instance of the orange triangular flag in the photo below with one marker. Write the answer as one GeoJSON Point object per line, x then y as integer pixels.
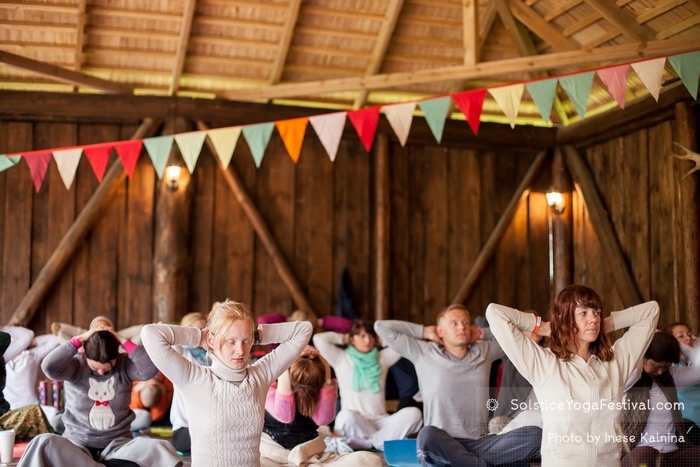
{"type": "Point", "coordinates": [98, 155]}
{"type": "Point", "coordinates": [292, 134]}
{"type": "Point", "coordinates": [38, 163]}
{"type": "Point", "coordinates": [129, 152]}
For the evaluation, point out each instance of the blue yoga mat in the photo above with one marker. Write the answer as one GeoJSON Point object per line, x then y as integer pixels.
{"type": "Point", "coordinates": [401, 453]}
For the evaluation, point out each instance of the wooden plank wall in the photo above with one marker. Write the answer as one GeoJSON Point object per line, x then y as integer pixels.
{"type": "Point", "coordinates": [637, 180]}
{"type": "Point", "coordinates": [444, 202]}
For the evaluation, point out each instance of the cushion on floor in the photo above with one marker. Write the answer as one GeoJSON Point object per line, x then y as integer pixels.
{"type": "Point", "coordinates": [401, 453]}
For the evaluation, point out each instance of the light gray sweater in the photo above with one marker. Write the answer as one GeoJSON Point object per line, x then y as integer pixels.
{"type": "Point", "coordinates": [455, 390]}
{"type": "Point", "coordinates": [225, 407]}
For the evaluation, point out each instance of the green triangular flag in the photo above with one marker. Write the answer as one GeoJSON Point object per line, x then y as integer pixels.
{"type": "Point", "coordinates": [542, 93]}
{"type": "Point", "coordinates": [190, 145]}
{"type": "Point", "coordinates": [8, 161]}
{"type": "Point", "coordinates": [158, 149]}
{"type": "Point", "coordinates": [688, 68]}
{"type": "Point", "coordinates": [578, 87]}
{"type": "Point", "coordinates": [435, 111]}
{"type": "Point", "coordinates": [258, 137]}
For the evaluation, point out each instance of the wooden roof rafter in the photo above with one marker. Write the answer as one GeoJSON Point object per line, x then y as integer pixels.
{"type": "Point", "coordinates": [622, 20]}
{"type": "Point", "coordinates": [526, 48]}
{"type": "Point", "coordinates": [485, 24]}
{"type": "Point", "coordinates": [631, 51]}
{"type": "Point", "coordinates": [540, 26]}
{"type": "Point", "coordinates": [285, 41]}
{"type": "Point", "coordinates": [391, 17]}
{"type": "Point", "coordinates": [63, 75]}
{"type": "Point", "coordinates": [183, 41]}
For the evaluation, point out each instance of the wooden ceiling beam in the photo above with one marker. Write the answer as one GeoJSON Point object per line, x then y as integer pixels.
{"type": "Point", "coordinates": [285, 42]}
{"type": "Point", "coordinates": [182, 42]}
{"type": "Point", "coordinates": [622, 20]}
{"type": "Point", "coordinates": [526, 48]}
{"type": "Point", "coordinates": [62, 74]}
{"type": "Point", "coordinates": [658, 10]}
{"type": "Point", "coordinates": [540, 27]}
{"type": "Point", "coordinates": [80, 39]}
{"type": "Point", "coordinates": [470, 31]}
{"type": "Point", "coordinates": [485, 25]}
{"type": "Point", "coordinates": [391, 17]}
{"type": "Point", "coordinates": [597, 57]}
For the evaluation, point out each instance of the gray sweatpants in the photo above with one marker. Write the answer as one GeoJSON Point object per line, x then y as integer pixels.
{"type": "Point", "coordinates": [53, 450]}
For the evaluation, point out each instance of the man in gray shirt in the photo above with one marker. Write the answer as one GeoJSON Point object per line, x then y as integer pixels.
{"type": "Point", "coordinates": [453, 368]}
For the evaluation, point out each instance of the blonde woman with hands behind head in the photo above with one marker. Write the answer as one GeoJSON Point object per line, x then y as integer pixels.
{"type": "Point", "coordinates": [225, 401]}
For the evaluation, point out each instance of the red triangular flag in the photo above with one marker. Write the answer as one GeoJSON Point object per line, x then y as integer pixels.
{"type": "Point", "coordinates": [365, 122]}
{"type": "Point", "coordinates": [38, 163]}
{"type": "Point", "coordinates": [129, 152]}
{"type": "Point", "coordinates": [471, 103]}
{"type": "Point", "coordinates": [98, 155]}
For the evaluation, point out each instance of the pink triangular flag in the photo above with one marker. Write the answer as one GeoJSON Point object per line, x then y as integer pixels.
{"type": "Point", "coordinates": [471, 103]}
{"type": "Point", "coordinates": [129, 152]}
{"type": "Point", "coordinates": [615, 78]}
{"type": "Point", "coordinates": [38, 163]}
{"type": "Point", "coordinates": [400, 117]}
{"type": "Point", "coordinates": [329, 129]}
{"type": "Point", "coordinates": [365, 122]}
{"type": "Point", "coordinates": [651, 72]}
{"type": "Point", "coordinates": [98, 156]}
{"type": "Point", "coordinates": [508, 98]}
{"type": "Point", "coordinates": [67, 161]}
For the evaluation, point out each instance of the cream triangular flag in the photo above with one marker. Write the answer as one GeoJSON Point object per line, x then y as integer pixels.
{"type": "Point", "coordinates": [651, 72]}
{"type": "Point", "coordinates": [224, 141]}
{"type": "Point", "coordinates": [400, 117]}
{"type": "Point", "coordinates": [508, 98]}
{"type": "Point", "coordinates": [67, 161]}
{"type": "Point", "coordinates": [329, 129]}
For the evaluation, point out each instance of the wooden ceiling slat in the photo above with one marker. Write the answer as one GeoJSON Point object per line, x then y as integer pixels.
{"type": "Point", "coordinates": [679, 27]}
{"type": "Point", "coordinates": [331, 52]}
{"type": "Point", "coordinates": [605, 38]}
{"type": "Point", "coordinates": [539, 26]}
{"type": "Point", "coordinates": [442, 23]}
{"type": "Point", "coordinates": [183, 41]}
{"type": "Point", "coordinates": [658, 10]}
{"type": "Point", "coordinates": [381, 45]}
{"type": "Point", "coordinates": [233, 43]}
{"type": "Point", "coordinates": [561, 9]}
{"type": "Point", "coordinates": [581, 25]}
{"type": "Point", "coordinates": [521, 64]}
{"type": "Point", "coordinates": [42, 7]}
{"type": "Point", "coordinates": [285, 41]}
{"type": "Point", "coordinates": [621, 19]}
{"type": "Point", "coordinates": [135, 13]}
{"type": "Point", "coordinates": [334, 32]}
{"type": "Point", "coordinates": [29, 26]}
{"type": "Point", "coordinates": [237, 24]}
{"type": "Point", "coordinates": [349, 13]}
{"type": "Point", "coordinates": [249, 4]}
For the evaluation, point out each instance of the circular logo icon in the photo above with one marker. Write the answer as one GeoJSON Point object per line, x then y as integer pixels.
{"type": "Point", "coordinates": [492, 405]}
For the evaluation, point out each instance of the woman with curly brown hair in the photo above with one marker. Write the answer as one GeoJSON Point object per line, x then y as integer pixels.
{"type": "Point", "coordinates": [579, 380]}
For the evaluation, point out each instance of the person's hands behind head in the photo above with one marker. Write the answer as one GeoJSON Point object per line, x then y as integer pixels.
{"type": "Point", "coordinates": [430, 334]}
{"type": "Point", "coordinates": [203, 340]}
{"type": "Point", "coordinates": [474, 334]}
{"type": "Point", "coordinates": [310, 352]}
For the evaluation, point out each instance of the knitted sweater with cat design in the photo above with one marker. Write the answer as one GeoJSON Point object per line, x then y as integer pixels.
{"type": "Point", "coordinates": [97, 406]}
{"type": "Point", "coordinates": [225, 407]}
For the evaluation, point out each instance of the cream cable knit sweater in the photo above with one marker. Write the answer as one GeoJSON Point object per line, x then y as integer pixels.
{"type": "Point", "coordinates": [225, 407]}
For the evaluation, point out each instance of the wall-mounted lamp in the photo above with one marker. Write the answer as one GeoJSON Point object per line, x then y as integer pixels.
{"type": "Point", "coordinates": [172, 176]}
{"type": "Point", "coordinates": [556, 201]}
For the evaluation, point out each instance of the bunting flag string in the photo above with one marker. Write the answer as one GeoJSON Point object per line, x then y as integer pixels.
{"type": "Point", "coordinates": [329, 127]}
